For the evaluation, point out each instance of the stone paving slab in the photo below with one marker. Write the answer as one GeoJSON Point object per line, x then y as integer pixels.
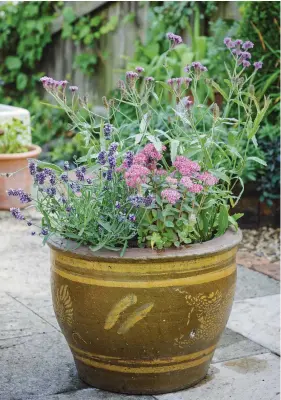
{"type": "Point", "coordinates": [252, 284]}
{"type": "Point", "coordinates": [259, 320]}
{"type": "Point", "coordinates": [249, 378]}
{"type": "Point", "coordinates": [92, 394]}
{"type": "Point", "coordinates": [259, 263]}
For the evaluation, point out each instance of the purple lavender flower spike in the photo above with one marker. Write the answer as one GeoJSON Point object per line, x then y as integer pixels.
{"type": "Point", "coordinates": [80, 175]}
{"type": "Point", "coordinates": [64, 177]}
{"type": "Point", "coordinates": [117, 205]}
{"type": "Point", "coordinates": [33, 233]}
{"type": "Point", "coordinates": [149, 200]}
{"type": "Point", "coordinates": [107, 130]}
{"type": "Point", "coordinates": [44, 231]}
{"type": "Point", "coordinates": [132, 217]}
{"type": "Point", "coordinates": [112, 162]}
{"type": "Point", "coordinates": [51, 191]}
{"type": "Point", "coordinates": [112, 148]}
{"type": "Point", "coordinates": [258, 65]}
{"type": "Point", "coordinates": [129, 159]}
{"type": "Point", "coordinates": [109, 175]}
{"type": "Point", "coordinates": [89, 181]}
{"type": "Point", "coordinates": [248, 45]}
{"type": "Point", "coordinates": [102, 157]}
{"type": "Point", "coordinates": [66, 166]}
{"type": "Point", "coordinates": [16, 213]}
{"type": "Point", "coordinates": [29, 223]}
{"type": "Point", "coordinates": [32, 167]}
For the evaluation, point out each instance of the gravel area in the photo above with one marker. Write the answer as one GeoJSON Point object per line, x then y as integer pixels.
{"type": "Point", "coordinates": [263, 242]}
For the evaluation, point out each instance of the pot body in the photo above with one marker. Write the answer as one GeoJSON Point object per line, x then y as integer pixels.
{"type": "Point", "coordinates": [10, 163]}
{"type": "Point", "coordinates": [149, 322]}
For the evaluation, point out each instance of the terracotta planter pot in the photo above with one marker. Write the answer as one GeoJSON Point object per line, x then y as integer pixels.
{"type": "Point", "coordinates": [149, 322]}
{"type": "Point", "coordinates": [11, 163]}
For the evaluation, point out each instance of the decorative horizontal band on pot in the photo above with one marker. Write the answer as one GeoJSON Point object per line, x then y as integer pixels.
{"type": "Point", "coordinates": [186, 281]}
{"type": "Point", "coordinates": [144, 366]}
{"type": "Point", "coordinates": [161, 267]}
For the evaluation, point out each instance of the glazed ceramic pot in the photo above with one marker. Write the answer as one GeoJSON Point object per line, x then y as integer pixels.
{"type": "Point", "coordinates": [11, 163]}
{"type": "Point", "coordinates": [146, 323]}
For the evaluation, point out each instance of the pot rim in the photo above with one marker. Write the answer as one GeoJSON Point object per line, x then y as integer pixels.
{"type": "Point", "coordinates": [34, 151]}
{"type": "Point", "coordinates": [227, 241]}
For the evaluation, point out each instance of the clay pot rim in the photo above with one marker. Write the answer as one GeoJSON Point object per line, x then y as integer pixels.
{"type": "Point", "coordinates": [227, 241]}
{"type": "Point", "coordinates": [34, 151]}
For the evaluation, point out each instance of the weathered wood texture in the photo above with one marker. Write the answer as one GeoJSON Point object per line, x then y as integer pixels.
{"type": "Point", "coordinates": [59, 56]}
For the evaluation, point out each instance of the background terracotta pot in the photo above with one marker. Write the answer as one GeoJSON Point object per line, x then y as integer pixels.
{"type": "Point", "coordinates": [146, 323]}
{"type": "Point", "coordinates": [11, 163]}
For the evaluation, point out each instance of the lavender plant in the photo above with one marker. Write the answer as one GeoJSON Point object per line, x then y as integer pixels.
{"type": "Point", "coordinates": [140, 184]}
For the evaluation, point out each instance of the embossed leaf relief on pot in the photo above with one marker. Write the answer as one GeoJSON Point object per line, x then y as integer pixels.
{"type": "Point", "coordinates": [116, 311]}
{"type": "Point", "coordinates": [63, 305]}
{"type": "Point", "coordinates": [210, 311]}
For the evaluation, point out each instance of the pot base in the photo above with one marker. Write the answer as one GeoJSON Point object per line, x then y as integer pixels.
{"type": "Point", "coordinates": [141, 383]}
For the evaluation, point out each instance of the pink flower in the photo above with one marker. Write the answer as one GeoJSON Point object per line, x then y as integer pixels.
{"type": "Point", "coordinates": [136, 175]}
{"type": "Point", "coordinates": [186, 181]}
{"type": "Point", "coordinates": [151, 152]}
{"type": "Point", "coordinates": [172, 181]}
{"type": "Point", "coordinates": [196, 188]}
{"type": "Point", "coordinates": [207, 178]}
{"type": "Point", "coordinates": [171, 195]}
{"type": "Point", "coordinates": [160, 172]}
{"type": "Point", "coordinates": [186, 166]}
{"type": "Point", "coordinates": [140, 159]}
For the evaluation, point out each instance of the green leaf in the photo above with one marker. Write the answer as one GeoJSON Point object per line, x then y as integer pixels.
{"type": "Point", "coordinates": [21, 81]}
{"type": "Point", "coordinates": [258, 160]}
{"type": "Point", "coordinates": [43, 164]}
{"type": "Point", "coordinates": [222, 219]}
{"type": "Point", "coordinates": [151, 50]}
{"type": "Point", "coordinates": [174, 149]}
{"type": "Point", "coordinates": [13, 63]}
{"type": "Point", "coordinates": [165, 86]}
{"type": "Point", "coordinates": [169, 224]}
{"type": "Point", "coordinates": [68, 15]}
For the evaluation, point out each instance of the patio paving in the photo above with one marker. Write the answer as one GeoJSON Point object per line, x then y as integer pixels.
{"type": "Point", "coordinates": [37, 364]}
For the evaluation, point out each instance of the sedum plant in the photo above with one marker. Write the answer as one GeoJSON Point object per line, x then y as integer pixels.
{"type": "Point", "coordinates": [139, 185]}
{"type": "Point", "coordinates": [14, 137]}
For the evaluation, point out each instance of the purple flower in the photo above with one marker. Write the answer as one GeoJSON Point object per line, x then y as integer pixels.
{"type": "Point", "coordinates": [132, 217]}
{"type": "Point", "coordinates": [23, 197]}
{"type": "Point", "coordinates": [32, 167]}
{"type": "Point", "coordinates": [187, 68]}
{"type": "Point", "coordinates": [139, 69]}
{"type": "Point", "coordinates": [246, 63]}
{"type": "Point", "coordinates": [112, 148]}
{"type": "Point", "coordinates": [107, 130]}
{"type": "Point", "coordinates": [170, 82]}
{"type": "Point", "coordinates": [187, 81]}
{"type": "Point", "coordinates": [203, 68]}
{"type": "Point", "coordinates": [117, 205]}
{"type": "Point", "coordinates": [63, 199]}
{"type": "Point", "coordinates": [109, 175]}
{"type": "Point", "coordinates": [187, 103]}
{"type": "Point", "coordinates": [136, 200]}
{"type": "Point", "coordinates": [258, 65]}
{"type": "Point", "coordinates": [66, 166]}
{"type": "Point", "coordinates": [245, 55]}
{"type": "Point", "coordinates": [16, 213]}
{"type": "Point", "coordinates": [89, 181]}
{"type": "Point", "coordinates": [238, 43]}
{"type": "Point", "coordinates": [53, 179]}
{"type": "Point", "coordinates": [236, 52]}
{"type": "Point", "coordinates": [196, 64]}
{"type": "Point", "coordinates": [64, 177]}
{"type": "Point", "coordinates": [175, 39]}
{"type": "Point", "coordinates": [51, 191]}
{"type": "Point", "coordinates": [29, 223]}
{"type": "Point", "coordinates": [40, 178]}
{"type": "Point", "coordinates": [73, 88]}
{"type": "Point", "coordinates": [79, 174]}
{"type": "Point", "coordinates": [129, 158]}
{"type": "Point", "coordinates": [33, 233]}
{"type": "Point", "coordinates": [68, 208]}
{"type": "Point", "coordinates": [228, 42]}
{"type": "Point", "coordinates": [75, 187]}
{"type": "Point", "coordinates": [149, 79]}
{"type": "Point", "coordinates": [112, 162]}
{"type": "Point", "coordinates": [248, 45]}
{"type": "Point", "coordinates": [131, 77]}
{"type": "Point", "coordinates": [149, 200]}
{"type": "Point", "coordinates": [44, 231]}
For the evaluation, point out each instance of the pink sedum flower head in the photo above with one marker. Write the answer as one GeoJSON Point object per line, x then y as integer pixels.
{"type": "Point", "coordinates": [196, 188]}
{"type": "Point", "coordinates": [171, 195]}
{"type": "Point", "coordinates": [171, 181]}
{"type": "Point", "coordinates": [207, 178]}
{"type": "Point", "coordinates": [186, 181]}
{"type": "Point", "coordinates": [185, 166]}
{"type": "Point", "coordinates": [136, 175]}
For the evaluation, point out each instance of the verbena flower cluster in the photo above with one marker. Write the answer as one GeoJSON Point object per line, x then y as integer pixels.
{"type": "Point", "coordinates": [158, 179]}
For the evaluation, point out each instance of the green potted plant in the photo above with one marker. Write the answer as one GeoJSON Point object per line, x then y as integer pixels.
{"type": "Point", "coordinates": [143, 246]}
{"type": "Point", "coordinates": [15, 149]}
